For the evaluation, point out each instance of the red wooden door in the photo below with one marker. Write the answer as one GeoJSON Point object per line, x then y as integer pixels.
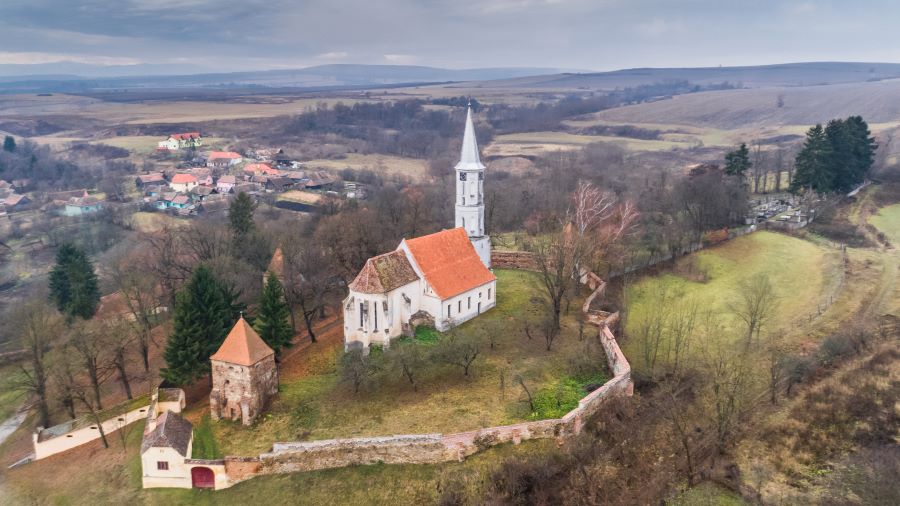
{"type": "Point", "coordinates": [203, 477]}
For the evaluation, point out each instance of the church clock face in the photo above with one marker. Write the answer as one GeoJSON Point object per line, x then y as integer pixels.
{"type": "Point", "coordinates": [462, 176]}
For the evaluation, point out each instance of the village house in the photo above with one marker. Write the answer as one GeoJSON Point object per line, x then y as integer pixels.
{"type": "Point", "coordinates": [259, 169]}
{"type": "Point", "coordinates": [183, 182]}
{"type": "Point", "coordinates": [80, 206]}
{"type": "Point", "coordinates": [16, 202]}
{"type": "Point", "coordinates": [200, 193]}
{"type": "Point", "coordinates": [203, 175]}
{"type": "Point", "coordinates": [226, 184]}
{"type": "Point", "coordinates": [179, 141]}
{"type": "Point", "coordinates": [152, 178]}
{"type": "Point", "coordinates": [244, 375]}
{"type": "Point", "coordinates": [223, 159]}
{"type": "Point", "coordinates": [441, 279]}
{"type": "Point", "coordinates": [164, 451]}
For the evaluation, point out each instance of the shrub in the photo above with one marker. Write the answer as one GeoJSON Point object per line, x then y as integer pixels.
{"type": "Point", "coordinates": [834, 348]}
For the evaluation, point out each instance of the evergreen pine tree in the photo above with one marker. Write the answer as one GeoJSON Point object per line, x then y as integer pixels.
{"type": "Point", "coordinates": [202, 319]}
{"type": "Point", "coordinates": [814, 165]}
{"type": "Point", "coordinates": [737, 162]}
{"type": "Point", "coordinates": [240, 214]}
{"type": "Point", "coordinates": [73, 283]}
{"type": "Point", "coordinates": [273, 321]}
{"type": "Point", "coordinates": [9, 144]}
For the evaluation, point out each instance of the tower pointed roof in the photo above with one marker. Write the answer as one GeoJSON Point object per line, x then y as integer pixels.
{"type": "Point", "coordinates": [243, 346]}
{"type": "Point", "coordinates": [468, 156]}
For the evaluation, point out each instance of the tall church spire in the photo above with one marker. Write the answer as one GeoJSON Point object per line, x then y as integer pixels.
{"type": "Point", "coordinates": [470, 193]}
{"type": "Point", "coordinates": [468, 156]}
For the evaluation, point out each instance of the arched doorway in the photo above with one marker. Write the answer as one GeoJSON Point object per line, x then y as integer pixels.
{"type": "Point", "coordinates": [203, 477]}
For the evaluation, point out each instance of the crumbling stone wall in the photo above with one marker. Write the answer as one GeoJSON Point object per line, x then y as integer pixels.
{"type": "Point", "coordinates": [513, 260]}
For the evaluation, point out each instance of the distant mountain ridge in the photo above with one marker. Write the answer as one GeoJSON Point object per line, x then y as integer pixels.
{"type": "Point", "coordinates": [784, 74]}
{"type": "Point", "coordinates": [64, 77]}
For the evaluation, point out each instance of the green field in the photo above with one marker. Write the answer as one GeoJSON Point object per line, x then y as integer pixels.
{"type": "Point", "coordinates": [888, 221]}
{"type": "Point", "coordinates": [319, 406]}
{"type": "Point", "coordinates": [802, 274]}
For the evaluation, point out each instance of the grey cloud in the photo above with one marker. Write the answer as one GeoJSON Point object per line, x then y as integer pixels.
{"type": "Point", "coordinates": [599, 34]}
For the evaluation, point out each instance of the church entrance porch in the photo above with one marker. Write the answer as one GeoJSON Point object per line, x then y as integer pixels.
{"type": "Point", "coordinates": [203, 477]}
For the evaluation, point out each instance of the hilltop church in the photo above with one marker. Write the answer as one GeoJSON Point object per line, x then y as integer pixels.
{"type": "Point", "coordinates": [442, 279]}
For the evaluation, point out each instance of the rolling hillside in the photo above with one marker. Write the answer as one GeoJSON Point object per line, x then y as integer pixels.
{"type": "Point", "coordinates": [877, 102]}
{"type": "Point", "coordinates": [790, 74]}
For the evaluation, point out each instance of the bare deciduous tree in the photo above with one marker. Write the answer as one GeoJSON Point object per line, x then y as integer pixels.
{"type": "Point", "coordinates": [755, 305]}
{"type": "Point", "coordinates": [37, 326]}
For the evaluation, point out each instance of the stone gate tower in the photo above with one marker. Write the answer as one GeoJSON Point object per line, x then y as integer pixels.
{"type": "Point", "coordinates": [470, 193]}
{"type": "Point", "coordinates": [244, 375]}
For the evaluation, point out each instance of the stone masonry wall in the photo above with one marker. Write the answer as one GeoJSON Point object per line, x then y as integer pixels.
{"type": "Point", "coordinates": [513, 260]}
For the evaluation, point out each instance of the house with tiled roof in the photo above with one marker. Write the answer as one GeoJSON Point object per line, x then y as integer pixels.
{"type": "Point", "coordinates": [182, 140]}
{"type": "Point", "coordinates": [223, 159]}
{"type": "Point", "coordinates": [260, 169]}
{"type": "Point", "coordinates": [244, 375]}
{"type": "Point", "coordinates": [80, 206]}
{"type": "Point", "coordinates": [225, 184]}
{"type": "Point", "coordinates": [183, 182]}
{"type": "Point", "coordinates": [441, 279]}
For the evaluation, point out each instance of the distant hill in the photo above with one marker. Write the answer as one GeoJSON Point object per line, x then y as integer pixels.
{"type": "Point", "coordinates": [877, 102]}
{"type": "Point", "coordinates": [788, 74]}
{"type": "Point", "coordinates": [60, 78]}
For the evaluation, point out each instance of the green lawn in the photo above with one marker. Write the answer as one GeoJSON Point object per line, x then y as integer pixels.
{"type": "Point", "coordinates": [888, 221]}
{"type": "Point", "coordinates": [707, 494]}
{"type": "Point", "coordinates": [801, 272]}
{"type": "Point", "coordinates": [10, 397]}
{"type": "Point", "coordinates": [319, 406]}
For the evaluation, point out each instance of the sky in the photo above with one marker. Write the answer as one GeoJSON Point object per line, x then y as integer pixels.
{"type": "Point", "coordinates": [234, 35]}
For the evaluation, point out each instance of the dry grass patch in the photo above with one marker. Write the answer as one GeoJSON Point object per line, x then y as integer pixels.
{"type": "Point", "coordinates": [379, 164]}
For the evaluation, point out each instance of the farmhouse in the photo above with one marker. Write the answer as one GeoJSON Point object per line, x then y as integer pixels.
{"type": "Point", "coordinates": [223, 159]}
{"type": "Point", "coordinates": [178, 141]}
{"type": "Point", "coordinates": [442, 279]}
{"type": "Point", "coordinates": [183, 182]}
{"type": "Point", "coordinates": [244, 375]}
{"type": "Point", "coordinates": [79, 206]}
{"type": "Point", "coordinates": [149, 179]}
{"type": "Point", "coordinates": [225, 184]}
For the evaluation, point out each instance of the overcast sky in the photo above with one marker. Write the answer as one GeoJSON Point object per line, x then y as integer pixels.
{"type": "Point", "coordinates": [231, 35]}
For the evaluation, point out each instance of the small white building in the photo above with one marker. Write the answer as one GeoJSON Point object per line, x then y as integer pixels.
{"type": "Point", "coordinates": [442, 279]}
{"type": "Point", "coordinates": [164, 450]}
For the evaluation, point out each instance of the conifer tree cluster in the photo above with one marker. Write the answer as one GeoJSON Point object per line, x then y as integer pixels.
{"type": "Point", "coordinates": [73, 283]}
{"type": "Point", "coordinates": [205, 310]}
{"type": "Point", "coordinates": [273, 321]}
{"type": "Point", "coordinates": [835, 158]}
{"type": "Point", "coordinates": [737, 162]}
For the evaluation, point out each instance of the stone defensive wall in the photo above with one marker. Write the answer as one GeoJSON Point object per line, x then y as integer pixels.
{"type": "Point", "coordinates": [288, 457]}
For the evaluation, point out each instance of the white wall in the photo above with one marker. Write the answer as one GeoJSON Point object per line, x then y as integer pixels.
{"type": "Point", "coordinates": [177, 476]}
{"type": "Point", "coordinates": [390, 324]}
{"type": "Point", "coordinates": [464, 307]}
{"type": "Point", "coordinates": [79, 437]}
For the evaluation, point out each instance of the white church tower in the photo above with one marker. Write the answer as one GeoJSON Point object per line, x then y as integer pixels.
{"type": "Point", "coordinates": [470, 193]}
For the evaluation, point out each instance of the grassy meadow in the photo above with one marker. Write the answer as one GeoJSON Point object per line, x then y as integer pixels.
{"type": "Point", "coordinates": [804, 276]}
{"type": "Point", "coordinates": [888, 221]}
{"type": "Point", "coordinates": [316, 405]}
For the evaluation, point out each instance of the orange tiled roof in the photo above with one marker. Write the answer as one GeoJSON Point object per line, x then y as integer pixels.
{"type": "Point", "coordinates": [184, 178]}
{"type": "Point", "coordinates": [261, 168]}
{"type": "Point", "coordinates": [243, 346]}
{"type": "Point", "coordinates": [449, 262]}
{"type": "Point", "coordinates": [223, 154]}
{"type": "Point", "coordinates": [383, 273]}
{"type": "Point", "coordinates": [185, 136]}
